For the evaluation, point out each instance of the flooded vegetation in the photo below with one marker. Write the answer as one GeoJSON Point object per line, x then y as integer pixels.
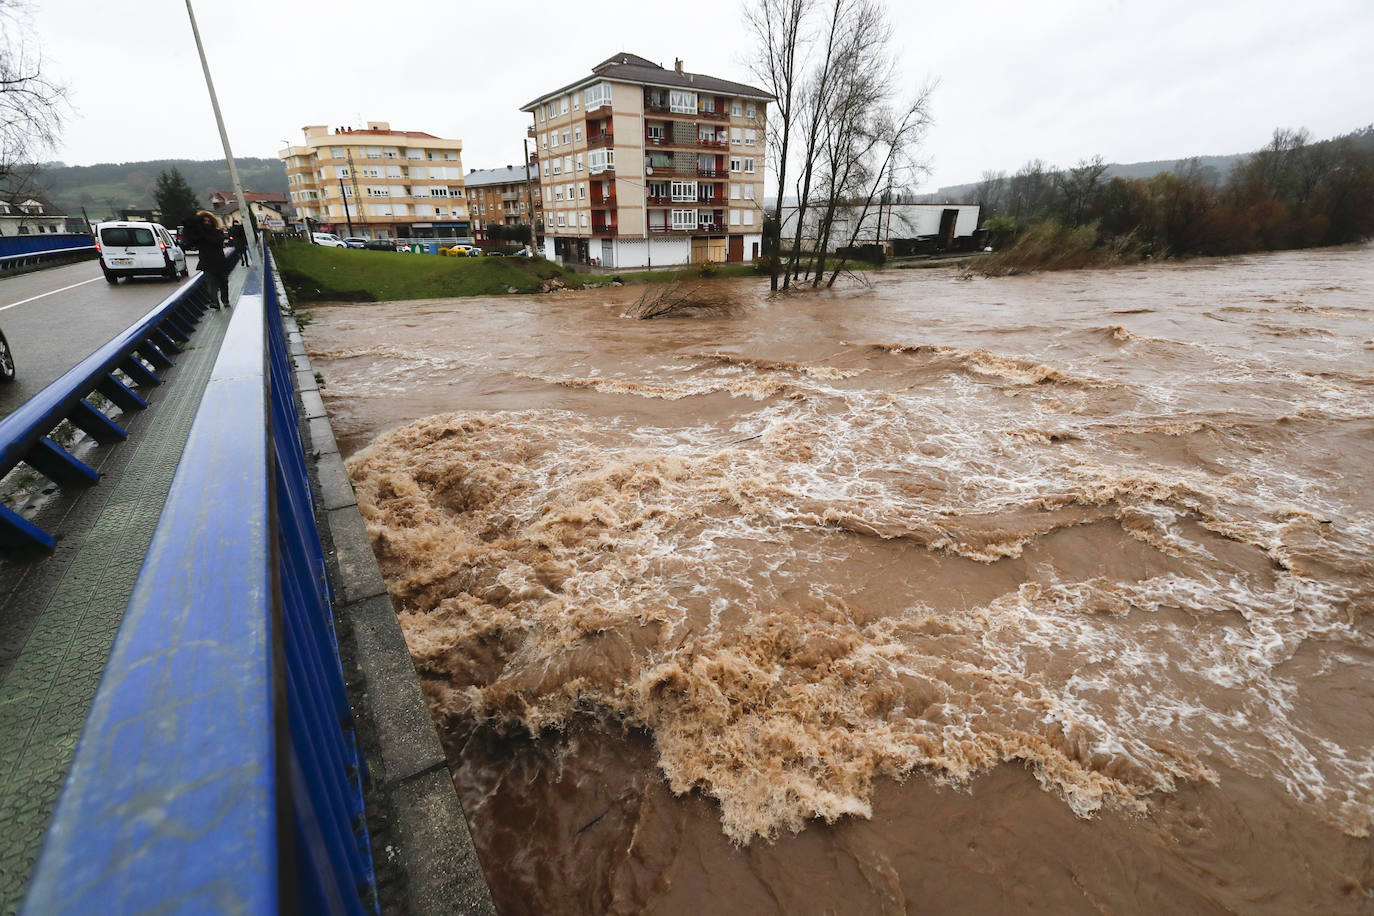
{"type": "Point", "coordinates": [1046, 592]}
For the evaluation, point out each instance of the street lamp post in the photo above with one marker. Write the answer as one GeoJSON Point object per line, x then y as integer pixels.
{"type": "Point", "coordinates": [219, 121]}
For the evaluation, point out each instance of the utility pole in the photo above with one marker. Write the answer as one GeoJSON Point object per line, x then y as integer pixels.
{"type": "Point", "coordinates": [347, 218]}
{"type": "Point", "coordinates": [219, 121]}
{"type": "Point", "coordinates": [529, 192]}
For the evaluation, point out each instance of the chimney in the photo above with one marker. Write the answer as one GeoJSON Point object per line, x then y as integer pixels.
{"type": "Point", "coordinates": [677, 65]}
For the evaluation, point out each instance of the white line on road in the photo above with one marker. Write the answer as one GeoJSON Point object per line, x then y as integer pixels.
{"type": "Point", "coordinates": [49, 293]}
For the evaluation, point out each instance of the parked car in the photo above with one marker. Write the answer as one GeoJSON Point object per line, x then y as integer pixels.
{"type": "Point", "coordinates": [6, 360]}
{"type": "Point", "coordinates": [458, 251]}
{"type": "Point", "coordinates": [355, 243]}
{"type": "Point", "coordinates": [327, 239]}
{"type": "Point", "coordinates": [380, 245]}
{"type": "Point", "coordinates": [129, 247]}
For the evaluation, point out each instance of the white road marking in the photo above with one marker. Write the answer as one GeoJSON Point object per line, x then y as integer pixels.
{"type": "Point", "coordinates": [49, 293]}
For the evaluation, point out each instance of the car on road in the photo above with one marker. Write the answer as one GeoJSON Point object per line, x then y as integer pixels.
{"type": "Point", "coordinates": [327, 239]}
{"type": "Point", "coordinates": [130, 247]}
{"type": "Point", "coordinates": [6, 360]}
{"type": "Point", "coordinates": [462, 251]}
{"type": "Point", "coordinates": [355, 243]}
{"type": "Point", "coordinates": [380, 245]}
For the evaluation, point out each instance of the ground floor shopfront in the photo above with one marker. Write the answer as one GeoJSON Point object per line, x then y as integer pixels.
{"type": "Point", "coordinates": [656, 251]}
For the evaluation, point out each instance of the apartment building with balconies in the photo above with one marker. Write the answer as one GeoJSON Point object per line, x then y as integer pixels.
{"type": "Point", "coordinates": [504, 197]}
{"type": "Point", "coordinates": [378, 183]}
{"type": "Point", "coordinates": [643, 166]}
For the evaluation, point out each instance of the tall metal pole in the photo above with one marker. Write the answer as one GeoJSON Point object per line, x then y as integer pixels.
{"type": "Point", "coordinates": [529, 191]}
{"type": "Point", "coordinates": [347, 218]}
{"type": "Point", "coordinates": [223, 135]}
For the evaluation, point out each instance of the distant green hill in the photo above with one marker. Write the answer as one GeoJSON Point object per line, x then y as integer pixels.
{"type": "Point", "coordinates": [102, 189]}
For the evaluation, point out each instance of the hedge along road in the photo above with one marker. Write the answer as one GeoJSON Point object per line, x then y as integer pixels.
{"type": "Point", "coordinates": [57, 317]}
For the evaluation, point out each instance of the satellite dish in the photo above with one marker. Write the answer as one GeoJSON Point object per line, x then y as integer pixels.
{"type": "Point", "coordinates": [648, 170]}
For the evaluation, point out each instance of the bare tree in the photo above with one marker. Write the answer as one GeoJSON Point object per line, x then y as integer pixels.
{"type": "Point", "coordinates": [891, 159]}
{"type": "Point", "coordinates": [776, 26]}
{"type": "Point", "coordinates": [817, 96]}
{"type": "Point", "coordinates": [991, 194]}
{"type": "Point", "coordinates": [31, 102]}
{"type": "Point", "coordinates": [1077, 187]}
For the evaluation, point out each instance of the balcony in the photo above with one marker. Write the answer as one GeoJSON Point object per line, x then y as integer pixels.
{"type": "Point", "coordinates": [604, 229]}
{"type": "Point", "coordinates": [717, 174]}
{"type": "Point", "coordinates": [605, 138]}
{"type": "Point", "coordinates": [511, 195]}
{"type": "Point", "coordinates": [602, 200]}
{"type": "Point", "coordinates": [658, 200]}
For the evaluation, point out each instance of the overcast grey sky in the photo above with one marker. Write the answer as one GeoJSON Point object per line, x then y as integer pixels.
{"type": "Point", "coordinates": [1057, 79]}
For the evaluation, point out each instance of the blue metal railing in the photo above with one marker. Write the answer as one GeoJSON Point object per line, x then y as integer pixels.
{"type": "Point", "coordinates": [140, 353]}
{"type": "Point", "coordinates": [218, 770]}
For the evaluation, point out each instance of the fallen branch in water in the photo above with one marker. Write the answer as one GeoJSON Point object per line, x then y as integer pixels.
{"type": "Point", "coordinates": [680, 299]}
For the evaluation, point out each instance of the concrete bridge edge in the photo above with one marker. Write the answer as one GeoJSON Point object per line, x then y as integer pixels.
{"type": "Point", "coordinates": [422, 847]}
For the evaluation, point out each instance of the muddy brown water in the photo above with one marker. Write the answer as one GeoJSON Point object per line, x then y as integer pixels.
{"type": "Point", "coordinates": [1047, 593]}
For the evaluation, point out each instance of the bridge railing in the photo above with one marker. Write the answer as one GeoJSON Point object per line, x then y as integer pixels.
{"type": "Point", "coordinates": [132, 360]}
{"type": "Point", "coordinates": [218, 769]}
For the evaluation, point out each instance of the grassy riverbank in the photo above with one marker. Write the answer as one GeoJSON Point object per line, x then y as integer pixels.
{"type": "Point", "coordinates": [313, 273]}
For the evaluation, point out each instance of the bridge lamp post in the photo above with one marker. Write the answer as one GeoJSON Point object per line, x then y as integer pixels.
{"type": "Point", "coordinates": [223, 135]}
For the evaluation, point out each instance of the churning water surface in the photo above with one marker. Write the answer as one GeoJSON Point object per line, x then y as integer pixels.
{"type": "Point", "coordinates": [1049, 593]}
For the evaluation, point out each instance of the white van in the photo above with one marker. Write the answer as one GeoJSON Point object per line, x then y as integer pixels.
{"type": "Point", "coordinates": [328, 239]}
{"type": "Point", "coordinates": [129, 247]}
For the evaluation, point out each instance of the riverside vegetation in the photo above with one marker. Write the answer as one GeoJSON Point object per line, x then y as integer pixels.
{"type": "Point", "coordinates": [1293, 193]}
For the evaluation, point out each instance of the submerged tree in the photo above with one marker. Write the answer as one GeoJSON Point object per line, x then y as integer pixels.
{"type": "Point", "coordinates": [836, 125]}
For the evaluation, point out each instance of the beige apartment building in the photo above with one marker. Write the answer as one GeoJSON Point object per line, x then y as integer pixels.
{"type": "Point", "coordinates": [503, 197]}
{"type": "Point", "coordinates": [643, 166]}
{"type": "Point", "coordinates": [378, 183]}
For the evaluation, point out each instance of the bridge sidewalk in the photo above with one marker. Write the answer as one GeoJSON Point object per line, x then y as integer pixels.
{"type": "Point", "coordinates": [59, 613]}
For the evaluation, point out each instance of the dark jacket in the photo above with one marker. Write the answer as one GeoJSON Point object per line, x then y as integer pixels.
{"type": "Point", "coordinates": [209, 243]}
{"type": "Point", "coordinates": [238, 238]}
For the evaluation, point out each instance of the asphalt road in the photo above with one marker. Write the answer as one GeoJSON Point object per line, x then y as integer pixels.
{"type": "Point", "coordinates": [57, 317]}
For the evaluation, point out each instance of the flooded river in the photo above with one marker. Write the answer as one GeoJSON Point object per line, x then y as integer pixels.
{"type": "Point", "coordinates": [1045, 593]}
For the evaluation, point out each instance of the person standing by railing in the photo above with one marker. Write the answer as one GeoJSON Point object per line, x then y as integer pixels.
{"type": "Point", "coordinates": [204, 230]}
{"type": "Point", "coordinates": [238, 238]}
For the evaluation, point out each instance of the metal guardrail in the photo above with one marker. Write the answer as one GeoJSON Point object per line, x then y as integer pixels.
{"type": "Point", "coordinates": [138, 354]}
{"type": "Point", "coordinates": [17, 262]}
{"type": "Point", "coordinates": [218, 770]}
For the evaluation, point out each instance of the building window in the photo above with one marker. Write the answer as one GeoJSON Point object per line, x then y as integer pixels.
{"type": "Point", "coordinates": [734, 192]}
{"type": "Point", "coordinates": [735, 135]}
{"type": "Point", "coordinates": [655, 131]}
{"type": "Point", "coordinates": [682, 102]}
{"type": "Point", "coordinates": [566, 138]}
{"type": "Point", "coordinates": [577, 134]}
{"type": "Point", "coordinates": [599, 160]}
{"type": "Point", "coordinates": [563, 105]}
{"type": "Point", "coordinates": [567, 164]}
{"type": "Point", "coordinates": [658, 189]}
{"type": "Point", "coordinates": [546, 170]}
{"type": "Point", "coordinates": [582, 190]}
{"type": "Point", "coordinates": [684, 219]}
{"type": "Point", "coordinates": [750, 137]}
{"type": "Point", "coordinates": [748, 217]}
{"type": "Point", "coordinates": [748, 192]}
{"type": "Point", "coordinates": [750, 111]}
{"type": "Point", "coordinates": [735, 108]}
{"type": "Point", "coordinates": [561, 220]}
{"type": "Point", "coordinates": [749, 165]}
{"type": "Point", "coordinates": [684, 190]}
{"type": "Point", "coordinates": [580, 166]}
{"type": "Point", "coordinates": [598, 95]}
{"type": "Point", "coordinates": [558, 166]}
{"type": "Point", "coordinates": [544, 141]}
{"type": "Point", "coordinates": [734, 164]}
{"type": "Point", "coordinates": [582, 218]}
{"type": "Point", "coordinates": [734, 217]}
{"type": "Point", "coordinates": [558, 192]}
